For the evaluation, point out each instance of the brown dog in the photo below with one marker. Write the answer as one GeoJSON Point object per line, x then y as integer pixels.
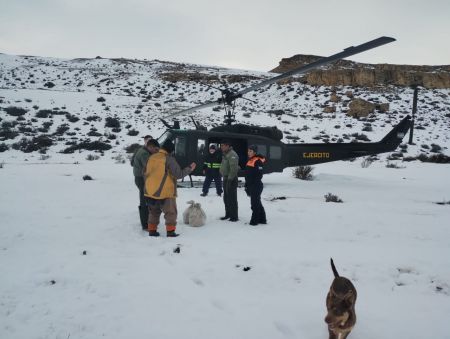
{"type": "Point", "coordinates": [341, 299]}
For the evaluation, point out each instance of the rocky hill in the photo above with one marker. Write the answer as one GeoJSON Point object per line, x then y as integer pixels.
{"type": "Point", "coordinates": [349, 73]}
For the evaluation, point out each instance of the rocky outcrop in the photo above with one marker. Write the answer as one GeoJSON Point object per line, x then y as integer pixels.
{"type": "Point", "coordinates": [349, 73]}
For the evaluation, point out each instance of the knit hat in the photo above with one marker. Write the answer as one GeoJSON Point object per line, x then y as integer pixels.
{"type": "Point", "coordinates": [168, 146]}
{"type": "Point", "coordinates": [212, 146]}
{"type": "Point", "coordinates": [254, 148]}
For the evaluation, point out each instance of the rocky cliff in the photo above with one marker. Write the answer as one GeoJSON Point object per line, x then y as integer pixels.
{"type": "Point", "coordinates": [352, 73]}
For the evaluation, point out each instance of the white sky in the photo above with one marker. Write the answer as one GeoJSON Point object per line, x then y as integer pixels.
{"type": "Point", "coordinates": [247, 34]}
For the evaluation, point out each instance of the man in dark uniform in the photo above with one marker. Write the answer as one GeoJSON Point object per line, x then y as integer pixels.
{"type": "Point", "coordinates": [229, 169]}
{"type": "Point", "coordinates": [211, 171]}
{"type": "Point", "coordinates": [138, 161]}
{"type": "Point", "coordinates": [254, 185]}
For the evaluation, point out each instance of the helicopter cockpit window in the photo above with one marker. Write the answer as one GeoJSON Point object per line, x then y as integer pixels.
{"type": "Point", "coordinates": [166, 135]}
{"type": "Point", "coordinates": [180, 146]}
{"type": "Point", "coordinates": [275, 152]}
{"type": "Point", "coordinates": [262, 149]}
{"type": "Point", "coordinates": [201, 145]}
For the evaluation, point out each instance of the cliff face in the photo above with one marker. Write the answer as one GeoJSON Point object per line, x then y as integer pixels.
{"type": "Point", "coordinates": [352, 73]}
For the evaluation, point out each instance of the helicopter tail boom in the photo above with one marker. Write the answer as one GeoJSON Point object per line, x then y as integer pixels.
{"type": "Point", "coordinates": [309, 154]}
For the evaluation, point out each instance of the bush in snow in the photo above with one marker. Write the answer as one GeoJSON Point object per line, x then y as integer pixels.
{"type": "Point", "coordinates": [15, 111]}
{"type": "Point", "coordinates": [35, 144]}
{"type": "Point", "coordinates": [44, 113]}
{"type": "Point", "coordinates": [87, 177]}
{"type": "Point", "coordinates": [132, 148]}
{"type": "Point", "coordinates": [89, 146]}
{"type": "Point", "coordinates": [119, 159]}
{"type": "Point", "coordinates": [133, 132]}
{"type": "Point", "coordinates": [49, 84]}
{"type": "Point", "coordinates": [303, 172]}
{"type": "Point", "coordinates": [101, 99]}
{"type": "Point", "coordinates": [3, 147]}
{"type": "Point", "coordinates": [112, 122]}
{"type": "Point", "coordinates": [332, 198]}
{"type": "Point", "coordinates": [92, 157]}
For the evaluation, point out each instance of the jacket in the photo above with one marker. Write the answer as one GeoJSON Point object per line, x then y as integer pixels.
{"type": "Point", "coordinates": [139, 160]}
{"type": "Point", "coordinates": [161, 174]}
{"type": "Point", "coordinates": [212, 162]}
{"type": "Point", "coordinates": [254, 171]}
{"type": "Point", "coordinates": [230, 164]}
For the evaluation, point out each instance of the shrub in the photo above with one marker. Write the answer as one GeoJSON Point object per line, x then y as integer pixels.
{"type": "Point", "coordinates": [92, 157]}
{"type": "Point", "coordinates": [27, 146]}
{"type": "Point", "coordinates": [49, 84]}
{"type": "Point", "coordinates": [3, 147]}
{"type": "Point", "coordinates": [132, 148]}
{"type": "Point", "coordinates": [303, 172]}
{"type": "Point", "coordinates": [359, 136]}
{"type": "Point", "coordinates": [101, 99]}
{"type": "Point", "coordinates": [93, 118]}
{"type": "Point", "coordinates": [393, 165]}
{"type": "Point", "coordinates": [44, 157]}
{"type": "Point", "coordinates": [332, 198]}
{"type": "Point", "coordinates": [6, 133]}
{"type": "Point", "coordinates": [133, 132]}
{"type": "Point", "coordinates": [435, 158]}
{"type": "Point", "coordinates": [87, 177]}
{"type": "Point", "coordinates": [72, 118]}
{"type": "Point", "coordinates": [2, 164]}
{"type": "Point", "coordinates": [89, 146]}
{"type": "Point", "coordinates": [61, 129]}
{"type": "Point", "coordinates": [435, 148]}
{"type": "Point", "coordinates": [44, 113]}
{"type": "Point", "coordinates": [15, 111]}
{"type": "Point", "coordinates": [112, 122]}
{"type": "Point", "coordinates": [120, 159]}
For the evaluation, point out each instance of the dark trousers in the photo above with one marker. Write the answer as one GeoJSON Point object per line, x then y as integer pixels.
{"type": "Point", "coordinates": [209, 177]}
{"type": "Point", "coordinates": [143, 210]}
{"type": "Point", "coordinates": [258, 212]}
{"type": "Point", "coordinates": [230, 197]}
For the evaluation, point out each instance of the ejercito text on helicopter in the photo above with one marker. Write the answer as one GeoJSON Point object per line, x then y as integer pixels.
{"type": "Point", "coordinates": [191, 145]}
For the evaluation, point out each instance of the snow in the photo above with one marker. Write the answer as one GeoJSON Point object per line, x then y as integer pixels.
{"type": "Point", "coordinates": [388, 236]}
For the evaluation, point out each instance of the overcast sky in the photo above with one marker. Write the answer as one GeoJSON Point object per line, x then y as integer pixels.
{"type": "Point", "coordinates": [247, 34]}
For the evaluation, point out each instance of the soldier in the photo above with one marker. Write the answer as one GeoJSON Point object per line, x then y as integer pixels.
{"type": "Point", "coordinates": [229, 169]}
{"type": "Point", "coordinates": [254, 185]}
{"type": "Point", "coordinates": [138, 161]}
{"type": "Point", "coordinates": [161, 174]}
{"type": "Point", "coordinates": [211, 171]}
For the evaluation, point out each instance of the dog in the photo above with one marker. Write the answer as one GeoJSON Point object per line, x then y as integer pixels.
{"type": "Point", "coordinates": [194, 215]}
{"type": "Point", "coordinates": [341, 299]}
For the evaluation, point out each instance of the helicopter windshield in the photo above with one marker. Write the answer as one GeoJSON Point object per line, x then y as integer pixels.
{"type": "Point", "coordinates": [167, 135]}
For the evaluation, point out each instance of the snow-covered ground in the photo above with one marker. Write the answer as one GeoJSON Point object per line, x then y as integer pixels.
{"type": "Point", "coordinates": [388, 236]}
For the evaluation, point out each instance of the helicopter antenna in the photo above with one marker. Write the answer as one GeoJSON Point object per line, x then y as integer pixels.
{"type": "Point", "coordinates": [229, 96]}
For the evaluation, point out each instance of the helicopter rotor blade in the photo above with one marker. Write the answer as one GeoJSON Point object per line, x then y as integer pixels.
{"type": "Point", "coordinates": [195, 108]}
{"type": "Point", "coordinates": [228, 96]}
{"type": "Point", "coordinates": [321, 62]}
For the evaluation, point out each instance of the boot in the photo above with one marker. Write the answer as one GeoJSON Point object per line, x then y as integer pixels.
{"type": "Point", "coordinates": [203, 194]}
{"type": "Point", "coordinates": [225, 217]}
{"type": "Point", "coordinates": [153, 234]}
{"type": "Point", "coordinates": [143, 215]}
{"type": "Point", "coordinates": [172, 234]}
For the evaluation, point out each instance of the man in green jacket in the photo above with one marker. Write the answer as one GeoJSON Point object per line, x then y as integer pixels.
{"type": "Point", "coordinates": [139, 161]}
{"type": "Point", "coordinates": [229, 169]}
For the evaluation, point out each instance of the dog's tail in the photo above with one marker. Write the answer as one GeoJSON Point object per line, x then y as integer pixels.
{"type": "Point", "coordinates": [335, 272]}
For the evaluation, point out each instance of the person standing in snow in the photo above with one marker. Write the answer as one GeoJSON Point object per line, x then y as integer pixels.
{"type": "Point", "coordinates": [161, 174]}
{"type": "Point", "coordinates": [211, 168]}
{"type": "Point", "coordinates": [138, 161]}
{"type": "Point", "coordinates": [254, 185]}
{"type": "Point", "coordinates": [229, 169]}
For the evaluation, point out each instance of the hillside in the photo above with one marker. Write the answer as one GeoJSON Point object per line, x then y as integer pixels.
{"type": "Point", "coordinates": [65, 103]}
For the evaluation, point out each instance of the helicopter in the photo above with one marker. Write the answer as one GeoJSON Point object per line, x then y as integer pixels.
{"type": "Point", "coordinates": [192, 145]}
